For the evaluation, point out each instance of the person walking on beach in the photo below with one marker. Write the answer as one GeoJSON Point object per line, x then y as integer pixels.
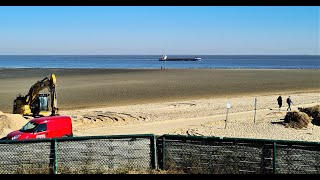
{"type": "Point", "coordinates": [289, 103]}
{"type": "Point", "coordinates": [279, 102]}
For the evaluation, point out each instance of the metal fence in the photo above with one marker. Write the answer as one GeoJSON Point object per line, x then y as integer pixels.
{"type": "Point", "coordinates": [215, 155]}
{"type": "Point", "coordinates": [24, 158]}
{"type": "Point", "coordinates": [177, 153]}
{"type": "Point", "coordinates": [95, 154]}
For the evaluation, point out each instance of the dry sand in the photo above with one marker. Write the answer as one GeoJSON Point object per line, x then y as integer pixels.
{"type": "Point", "coordinates": [172, 101]}
{"type": "Point", "coordinates": [205, 117]}
{"type": "Point", "coordinates": [10, 122]}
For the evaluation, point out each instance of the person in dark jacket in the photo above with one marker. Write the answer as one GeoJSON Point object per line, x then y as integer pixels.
{"type": "Point", "coordinates": [279, 101]}
{"type": "Point", "coordinates": [289, 103]}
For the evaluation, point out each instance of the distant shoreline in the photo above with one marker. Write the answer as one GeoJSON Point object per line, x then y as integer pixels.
{"type": "Point", "coordinates": [93, 68]}
{"type": "Point", "coordinates": [158, 55]}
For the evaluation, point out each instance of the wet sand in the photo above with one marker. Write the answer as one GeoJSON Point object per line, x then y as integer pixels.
{"type": "Point", "coordinates": [90, 88]}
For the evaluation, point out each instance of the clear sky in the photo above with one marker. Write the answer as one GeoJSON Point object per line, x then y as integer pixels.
{"type": "Point", "coordinates": [156, 30]}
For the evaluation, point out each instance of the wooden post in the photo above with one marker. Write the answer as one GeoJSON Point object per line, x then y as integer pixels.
{"type": "Point", "coordinates": [228, 107]}
{"type": "Point", "coordinates": [255, 110]}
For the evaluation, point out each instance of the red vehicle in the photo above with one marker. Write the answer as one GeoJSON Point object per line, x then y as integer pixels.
{"type": "Point", "coordinates": [44, 127]}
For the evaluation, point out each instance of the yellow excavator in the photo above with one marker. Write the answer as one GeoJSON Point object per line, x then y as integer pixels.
{"type": "Point", "coordinates": [36, 103]}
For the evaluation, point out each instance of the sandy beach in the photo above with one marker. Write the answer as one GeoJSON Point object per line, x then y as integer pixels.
{"type": "Point", "coordinates": [172, 101]}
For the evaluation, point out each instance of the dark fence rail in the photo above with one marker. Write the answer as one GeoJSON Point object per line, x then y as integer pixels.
{"type": "Point", "coordinates": [182, 154]}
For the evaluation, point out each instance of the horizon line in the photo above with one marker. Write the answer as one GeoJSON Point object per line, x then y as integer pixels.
{"type": "Point", "coordinates": [159, 54]}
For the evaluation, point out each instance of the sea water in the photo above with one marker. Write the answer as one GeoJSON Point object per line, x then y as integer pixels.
{"type": "Point", "coordinates": [152, 61]}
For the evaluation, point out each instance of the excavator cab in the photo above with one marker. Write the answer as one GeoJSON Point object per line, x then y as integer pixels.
{"type": "Point", "coordinates": [40, 107]}
{"type": "Point", "coordinates": [43, 102]}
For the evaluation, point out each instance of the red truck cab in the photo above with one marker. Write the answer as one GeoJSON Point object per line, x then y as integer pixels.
{"type": "Point", "coordinates": [44, 127]}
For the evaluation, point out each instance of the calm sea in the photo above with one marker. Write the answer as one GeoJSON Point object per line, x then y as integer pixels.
{"type": "Point", "coordinates": [152, 61]}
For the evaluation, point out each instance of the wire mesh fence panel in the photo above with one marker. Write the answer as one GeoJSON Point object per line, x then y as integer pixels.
{"type": "Point", "coordinates": [185, 154]}
{"type": "Point", "coordinates": [25, 158]}
{"type": "Point", "coordinates": [215, 157]}
{"type": "Point", "coordinates": [298, 159]}
{"type": "Point", "coordinates": [104, 155]}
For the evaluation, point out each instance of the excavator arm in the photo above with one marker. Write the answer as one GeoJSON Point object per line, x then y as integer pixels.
{"type": "Point", "coordinates": [39, 86]}
{"type": "Point", "coordinates": [53, 93]}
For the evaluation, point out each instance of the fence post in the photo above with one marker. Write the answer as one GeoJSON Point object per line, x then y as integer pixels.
{"type": "Point", "coordinates": [163, 152]}
{"type": "Point", "coordinates": [53, 157]}
{"type": "Point", "coordinates": [153, 149]}
{"type": "Point", "coordinates": [274, 157]}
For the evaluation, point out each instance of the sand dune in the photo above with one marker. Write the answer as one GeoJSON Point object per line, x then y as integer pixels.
{"type": "Point", "coordinates": [10, 122]}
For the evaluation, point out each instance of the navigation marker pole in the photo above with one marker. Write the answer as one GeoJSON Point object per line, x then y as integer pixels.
{"type": "Point", "coordinates": [255, 109]}
{"type": "Point", "coordinates": [228, 107]}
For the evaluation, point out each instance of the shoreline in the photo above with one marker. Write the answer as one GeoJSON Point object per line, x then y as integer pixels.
{"type": "Point", "coordinates": [93, 68]}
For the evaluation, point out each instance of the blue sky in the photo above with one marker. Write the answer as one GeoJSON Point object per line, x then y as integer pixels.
{"type": "Point", "coordinates": [155, 30]}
